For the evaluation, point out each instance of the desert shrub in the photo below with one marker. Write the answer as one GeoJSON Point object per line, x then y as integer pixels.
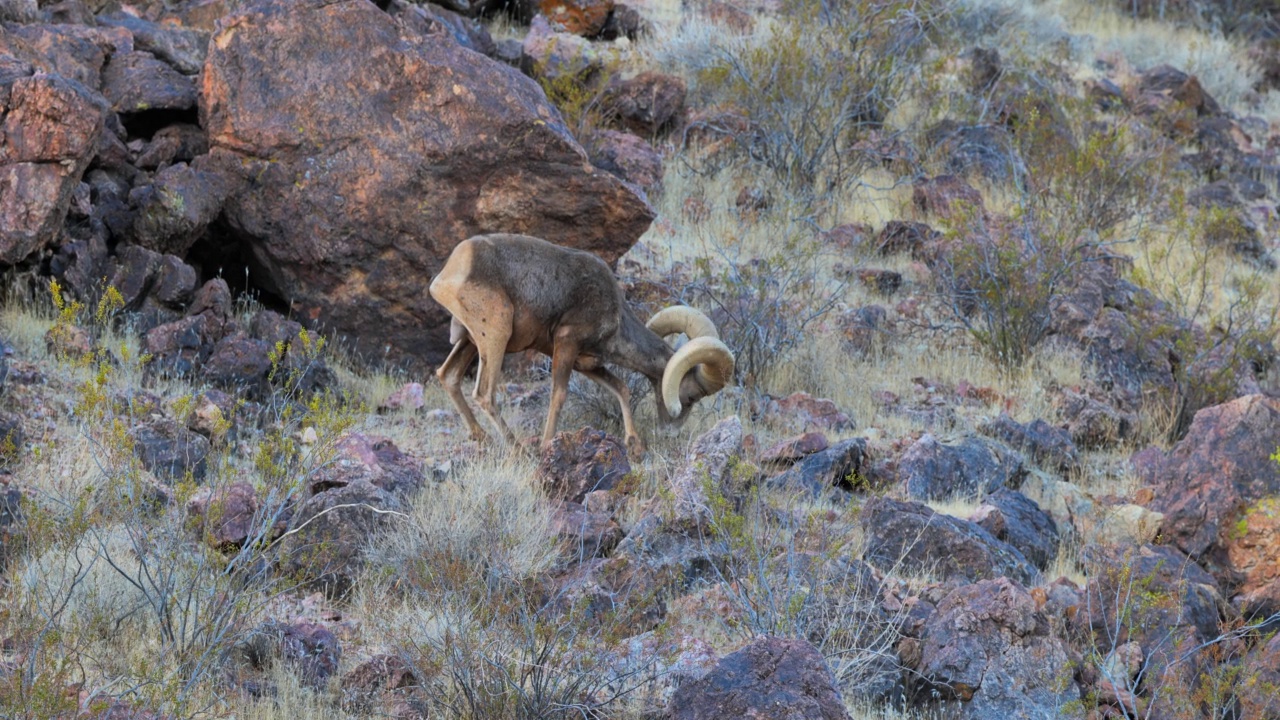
{"type": "Point", "coordinates": [487, 523]}
{"type": "Point", "coordinates": [1082, 199]}
{"type": "Point", "coordinates": [1001, 281]}
{"type": "Point", "coordinates": [763, 303]}
{"type": "Point", "coordinates": [795, 575]}
{"type": "Point", "coordinates": [816, 84]}
{"type": "Point", "coordinates": [1221, 313]}
{"type": "Point", "coordinates": [579, 90]}
{"type": "Point", "coordinates": [1095, 184]}
{"type": "Point", "coordinates": [507, 661]}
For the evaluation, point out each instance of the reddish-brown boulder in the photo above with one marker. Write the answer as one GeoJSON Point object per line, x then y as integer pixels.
{"type": "Point", "coordinates": [1259, 692]}
{"type": "Point", "coordinates": [171, 451]}
{"type": "Point", "coordinates": [801, 411]}
{"type": "Point", "coordinates": [796, 448]}
{"type": "Point", "coordinates": [176, 208]}
{"type": "Point", "coordinates": [910, 537]}
{"type": "Point", "coordinates": [326, 544]}
{"type": "Point", "coordinates": [224, 517]}
{"type": "Point", "coordinates": [547, 53]}
{"type": "Point", "coordinates": [1165, 81]}
{"type": "Point", "coordinates": [1206, 484]}
{"type": "Point", "coordinates": [988, 646]}
{"type": "Point", "coordinates": [374, 460]}
{"type": "Point", "coordinates": [365, 152]}
{"type": "Point", "coordinates": [181, 47]}
{"type": "Point", "coordinates": [309, 649]}
{"type": "Point", "coordinates": [383, 682]}
{"type": "Point", "coordinates": [770, 678]}
{"type": "Point", "coordinates": [137, 82]}
{"type": "Point", "coordinates": [580, 17]}
{"type": "Point", "coordinates": [72, 51]}
{"type": "Point", "coordinates": [647, 104]}
{"type": "Point", "coordinates": [626, 156]}
{"type": "Point", "coordinates": [585, 534]}
{"type": "Point", "coordinates": [1253, 549]}
{"type": "Point", "coordinates": [177, 348]}
{"type": "Point", "coordinates": [50, 129]}
{"type": "Point", "coordinates": [1156, 596]}
{"type": "Point", "coordinates": [843, 465]}
{"type": "Point", "coordinates": [182, 142]}
{"type": "Point", "coordinates": [900, 236]}
{"type": "Point", "coordinates": [946, 196]}
{"type": "Point", "coordinates": [581, 462]}
{"type": "Point", "coordinates": [933, 470]}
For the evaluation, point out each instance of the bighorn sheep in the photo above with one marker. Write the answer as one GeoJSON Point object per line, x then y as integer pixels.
{"type": "Point", "coordinates": [509, 293]}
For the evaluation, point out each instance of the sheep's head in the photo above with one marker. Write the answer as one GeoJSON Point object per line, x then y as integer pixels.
{"type": "Point", "coordinates": [701, 367]}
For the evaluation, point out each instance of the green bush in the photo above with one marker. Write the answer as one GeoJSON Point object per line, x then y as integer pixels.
{"type": "Point", "coordinates": [824, 76]}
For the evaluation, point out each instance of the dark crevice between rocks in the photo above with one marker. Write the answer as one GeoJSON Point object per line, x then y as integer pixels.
{"type": "Point", "coordinates": [222, 253]}
{"type": "Point", "coordinates": [146, 124]}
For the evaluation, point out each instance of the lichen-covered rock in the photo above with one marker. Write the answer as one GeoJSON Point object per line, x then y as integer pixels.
{"type": "Point", "coordinates": [578, 463]}
{"type": "Point", "coordinates": [181, 47]}
{"type": "Point", "coordinates": [1014, 518]}
{"type": "Point", "coordinates": [842, 465]}
{"type": "Point", "coordinates": [987, 646]}
{"type": "Point", "coordinates": [1206, 483]}
{"type": "Point", "coordinates": [933, 470]}
{"type": "Point", "coordinates": [325, 545]}
{"type": "Point", "coordinates": [709, 460]}
{"type": "Point", "coordinates": [137, 82]}
{"type": "Point", "coordinates": [648, 104]}
{"type": "Point", "coordinates": [770, 678]}
{"type": "Point", "coordinates": [1049, 446]}
{"type": "Point", "coordinates": [171, 451]}
{"type": "Point", "coordinates": [910, 537]}
{"type": "Point", "coordinates": [225, 518]}
{"type": "Point", "coordinates": [51, 128]}
{"type": "Point", "coordinates": [585, 534]}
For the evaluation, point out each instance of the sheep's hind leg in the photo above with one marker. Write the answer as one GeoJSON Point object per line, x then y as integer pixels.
{"type": "Point", "coordinates": [450, 374]}
{"type": "Point", "coordinates": [492, 343]}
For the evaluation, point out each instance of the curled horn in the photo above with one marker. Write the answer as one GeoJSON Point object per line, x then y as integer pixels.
{"type": "Point", "coordinates": [704, 354]}
{"type": "Point", "coordinates": [682, 319]}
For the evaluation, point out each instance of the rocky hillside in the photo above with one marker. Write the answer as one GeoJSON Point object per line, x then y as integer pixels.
{"type": "Point", "coordinates": [1000, 278]}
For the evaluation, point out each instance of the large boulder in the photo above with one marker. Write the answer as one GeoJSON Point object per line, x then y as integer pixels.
{"type": "Point", "coordinates": [575, 464]}
{"type": "Point", "coordinates": [988, 646]}
{"type": "Point", "coordinates": [770, 678]}
{"type": "Point", "coordinates": [183, 48]}
{"type": "Point", "coordinates": [75, 52]}
{"type": "Point", "coordinates": [137, 82]}
{"type": "Point", "coordinates": [1159, 598]}
{"type": "Point", "coordinates": [177, 207]}
{"type": "Point", "coordinates": [1258, 697]}
{"type": "Point", "coordinates": [171, 451]}
{"type": "Point", "coordinates": [50, 128]}
{"type": "Point", "coordinates": [843, 465]}
{"type": "Point", "coordinates": [364, 152]}
{"type": "Point", "coordinates": [326, 545]}
{"type": "Point", "coordinates": [1016, 519]}
{"type": "Point", "coordinates": [708, 464]}
{"type": "Point", "coordinates": [1206, 485]}
{"type": "Point", "coordinates": [932, 470]}
{"type": "Point", "coordinates": [910, 537]}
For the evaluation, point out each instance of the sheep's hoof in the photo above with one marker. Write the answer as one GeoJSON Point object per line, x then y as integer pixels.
{"type": "Point", "coordinates": [635, 448]}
